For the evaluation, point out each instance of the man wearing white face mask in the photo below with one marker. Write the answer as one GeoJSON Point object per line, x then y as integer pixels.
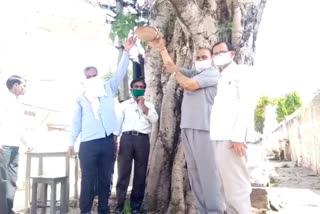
{"type": "Point", "coordinates": [95, 119]}
{"type": "Point", "coordinates": [200, 88]}
{"type": "Point", "coordinates": [230, 120]}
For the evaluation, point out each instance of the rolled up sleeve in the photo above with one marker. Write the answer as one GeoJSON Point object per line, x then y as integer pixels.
{"type": "Point", "coordinates": [207, 78]}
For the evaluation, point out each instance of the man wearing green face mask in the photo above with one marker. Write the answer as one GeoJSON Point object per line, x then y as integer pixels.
{"type": "Point", "coordinates": [136, 118]}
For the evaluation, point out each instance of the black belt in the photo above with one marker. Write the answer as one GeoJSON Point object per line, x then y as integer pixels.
{"type": "Point", "coordinates": [135, 133]}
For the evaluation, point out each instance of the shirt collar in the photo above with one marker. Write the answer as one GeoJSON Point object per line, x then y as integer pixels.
{"type": "Point", "coordinates": [229, 68]}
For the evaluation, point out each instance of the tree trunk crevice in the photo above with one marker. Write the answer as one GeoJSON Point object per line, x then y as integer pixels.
{"type": "Point", "coordinates": [186, 26]}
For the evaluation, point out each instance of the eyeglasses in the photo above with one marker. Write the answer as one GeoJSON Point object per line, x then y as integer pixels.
{"type": "Point", "coordinates": [220, 53]}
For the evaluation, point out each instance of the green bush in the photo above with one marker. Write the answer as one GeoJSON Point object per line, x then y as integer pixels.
{"type": "Point", "coordinates": [287, 105]}
{"type": "Point", "coordinates": [259, 113]}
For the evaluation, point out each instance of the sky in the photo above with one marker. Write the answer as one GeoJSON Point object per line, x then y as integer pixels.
{"type": "Point", "coordinates": [50, 43]}
{"type": "Point", "coordinates": [54, 40]}
{"type": "Point", "coordinates": [287, 48]}
{"type": "Point", "coordinates": [54, 37]}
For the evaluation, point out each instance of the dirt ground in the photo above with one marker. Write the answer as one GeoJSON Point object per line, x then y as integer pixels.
{"type": "Point", "coordinates": [292, 190]}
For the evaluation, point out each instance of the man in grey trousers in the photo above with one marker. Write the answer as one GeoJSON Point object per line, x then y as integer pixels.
{"type": "Point", "coordinates": [200, 88]}
{"type": "Point", "coordinates": [12, 129]}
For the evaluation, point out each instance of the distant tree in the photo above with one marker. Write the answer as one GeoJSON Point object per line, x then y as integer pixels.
{"type": "Point", "coordinates": [259, 113]}
{"type": "Point", "coordinates": [287, 105]}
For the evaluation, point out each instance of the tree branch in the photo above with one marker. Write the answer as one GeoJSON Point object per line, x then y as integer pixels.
{"type": "Point", "coordinates": [237, 28]}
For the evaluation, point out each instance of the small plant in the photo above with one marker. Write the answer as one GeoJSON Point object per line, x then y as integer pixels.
{"type": "Point", "coordinates": [127, 208]}
{"type": "Point", "coordinates": [123, 24]}
{"type": "Point", "coordinates": [224, 31]}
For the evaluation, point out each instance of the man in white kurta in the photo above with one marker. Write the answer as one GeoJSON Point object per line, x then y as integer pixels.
{"type": "Point", "coordinates": [231, 115]}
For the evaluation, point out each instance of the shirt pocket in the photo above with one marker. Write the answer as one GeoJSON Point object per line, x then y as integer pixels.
{"type": "Point", "coordinates": [231, 89]}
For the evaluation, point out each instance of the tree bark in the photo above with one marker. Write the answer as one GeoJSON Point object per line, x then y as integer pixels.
{"type": "Point", "coordinates": [186, 26]}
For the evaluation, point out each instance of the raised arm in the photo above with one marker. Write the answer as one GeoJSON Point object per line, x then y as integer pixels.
{"type": "Point", "coordinates": [122, 68]}
{"type": "Point", "coordinates": [184, 81]}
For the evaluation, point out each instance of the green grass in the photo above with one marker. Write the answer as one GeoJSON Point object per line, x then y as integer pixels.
{"type": "Point", "coordinates": [127, 208]}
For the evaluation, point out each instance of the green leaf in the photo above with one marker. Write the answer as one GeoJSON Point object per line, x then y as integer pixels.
{"type": "Point", "coordinates": [112, 36]}
{"type": "Point", "coordinates": [122, 25]}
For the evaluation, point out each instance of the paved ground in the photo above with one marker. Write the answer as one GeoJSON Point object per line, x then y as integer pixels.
{"type": "Point", "coordinates": [293, 190]}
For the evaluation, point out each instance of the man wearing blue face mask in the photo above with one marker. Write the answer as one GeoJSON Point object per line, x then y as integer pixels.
{"type": "Point", "coordinates": [200, 88]}
{"type": "Point", "coordinates": [136, 118]}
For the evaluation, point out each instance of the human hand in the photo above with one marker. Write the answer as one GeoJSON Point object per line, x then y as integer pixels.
{"type": "Point", "coordinates": [159, 43]}
{"type": "Point", "coordinates": [140, 100]}
{"type": "Point", "coordinates": [71, 151]}
{"type": "Point", "coordinates": [239, 148]}
{"type": "Point", "coordinates": [129, 43]}
{"type": "Point", "coordinates": [141, 103]}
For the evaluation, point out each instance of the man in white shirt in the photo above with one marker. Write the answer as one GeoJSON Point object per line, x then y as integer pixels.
{"type": "Point", "coordinates": [11, 129]}
{"type": "Point", "coordinates": [231, 116]}
{"type": "Point", "coordinates": [136, 118]}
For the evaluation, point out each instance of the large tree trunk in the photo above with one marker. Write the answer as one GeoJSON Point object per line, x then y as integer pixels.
{"type": "Point", "coordinates": [186, 26]}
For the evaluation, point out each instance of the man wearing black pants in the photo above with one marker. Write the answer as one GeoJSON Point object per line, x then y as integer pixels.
{"type": "Point", "coordinates": [98, 153]}
{"type": "Point", "coordinates": [11, 129]}
{"type": "Point", "coordinates": [95, 120]}
{"type": "Point", "coordinates": [137, 116]}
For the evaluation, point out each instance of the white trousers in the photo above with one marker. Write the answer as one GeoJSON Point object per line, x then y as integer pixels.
{"type": "Point", "coordinates": [235, 178]}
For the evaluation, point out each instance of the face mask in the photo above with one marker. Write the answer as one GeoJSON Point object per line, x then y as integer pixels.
{"type": "Point", "coordinates": [222, 59]}
{"type": "Point", "coordinates": [202, 65]}
{"type": "Point", "coordinates": [137, 92]}
{"type": "Point", "coordinates": [94, 87]}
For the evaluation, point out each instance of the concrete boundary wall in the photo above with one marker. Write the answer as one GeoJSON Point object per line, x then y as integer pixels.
{"type": "Point", "coordinates": [302, 129]}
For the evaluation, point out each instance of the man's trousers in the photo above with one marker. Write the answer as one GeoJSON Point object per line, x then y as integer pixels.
{"type": "Point", "coordinates": [235, 178]}
{"type": "Point", "coordinates": [9, 160]}
{"type": "Point", "coordinates": [203, 175]}
{"type": "Point", "coordinates": [96, 162]}
{"type": "Point", "coordinates": [135, 148]}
